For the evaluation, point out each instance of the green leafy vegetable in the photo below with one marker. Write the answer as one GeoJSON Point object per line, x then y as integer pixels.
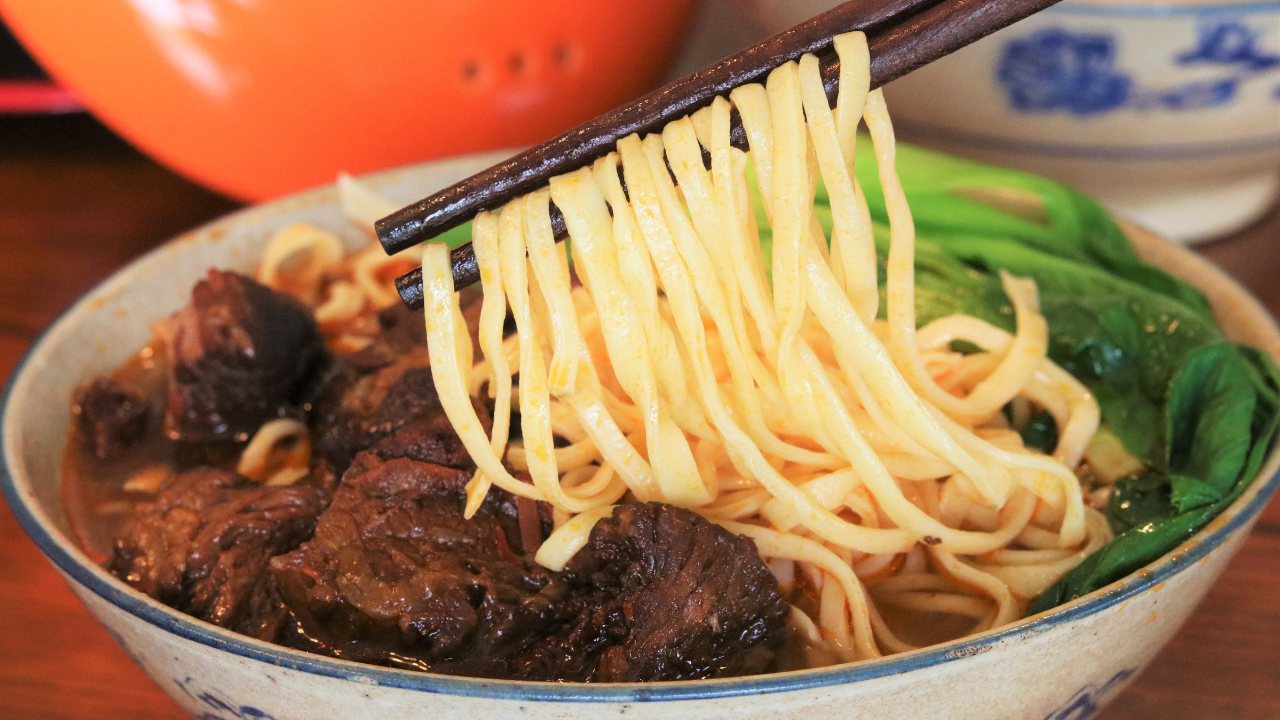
{"type": "Point", "coordinates": [950, 195]}
{"type": "Point", "coordinates": [1221, 419]}
{"type": "Point", "coordinates": [460, 235]}
{"type": "Point", "coordinates": [1138, 500]}
{"type": "Point", "coordinates": [1041, 433]}
{"type": "Point", "coordinates": [1209, 416]}
{"type": "Point", "coordinates": [1123, 339]}
{"type": "Point", "coordinates": [1200, 412]}
{"type": "Point", "coordinates": [1125, 554]}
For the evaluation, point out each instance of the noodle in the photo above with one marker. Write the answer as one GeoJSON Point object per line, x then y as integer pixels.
{"type": "Point", "coordinates": [871, 465]}
{"type": "Point", "coordinates": [492, 314]}
{"type": "Point", "coordinates": [680, 373]}
{"type": "Point", "coordinates": [307, 263]}
{"type": "Point", "coordinates": [278, 454]}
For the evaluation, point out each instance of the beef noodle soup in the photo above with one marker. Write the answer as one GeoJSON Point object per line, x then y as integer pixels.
{"type": "Point", "coordinates": [753, 416]}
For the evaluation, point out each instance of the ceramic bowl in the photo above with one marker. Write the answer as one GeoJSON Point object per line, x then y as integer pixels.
{"type": "Point", "coordinates": [1061, 665]}
{"type": "Point", "coordinates": [1169, 112]}
{"type": "Point", "coordinates": [1166, 110]}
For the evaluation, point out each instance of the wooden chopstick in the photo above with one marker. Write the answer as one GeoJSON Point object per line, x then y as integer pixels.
{"type": "Point", "coordinates": [595, 138]}
{"type": "Point", "coordinates": [902, 35]}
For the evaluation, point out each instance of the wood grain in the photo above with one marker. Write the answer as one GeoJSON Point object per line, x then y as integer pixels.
{"type": "Point", "coordinates": [76, 204]}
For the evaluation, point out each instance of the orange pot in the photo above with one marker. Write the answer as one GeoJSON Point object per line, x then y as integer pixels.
{"type": "Point", "coordinates": [257, 98]}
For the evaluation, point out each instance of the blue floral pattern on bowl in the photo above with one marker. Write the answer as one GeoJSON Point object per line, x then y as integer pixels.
{"type": "Point", "coordinates": [1090, 698]}
{"type": "Point", "coordinates": [1231, 43]}
{"type": "Point", "coordinates": [1058, 70]}
{"type": "Point", "coordinates": [214, 705]}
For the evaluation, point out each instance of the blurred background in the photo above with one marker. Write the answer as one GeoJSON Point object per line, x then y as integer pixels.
{"type": "Point", "coordinates": [1167, 111]}
{"type": "Point", "coordinates": [125, 122]}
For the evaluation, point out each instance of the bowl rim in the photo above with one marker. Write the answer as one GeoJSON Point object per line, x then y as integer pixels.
{"type": "Point", "coordinates": [1191, 8]}
{"type": "Point", "coordinates": [75, 565]}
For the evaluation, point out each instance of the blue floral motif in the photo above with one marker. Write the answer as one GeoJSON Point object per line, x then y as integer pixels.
{"type": "Point", "coordinates": [1229, 42]}
{"type": "Point", "coordinates": [216, 706]}
{"type": "Point", "coordinates": [1059, 70]}
{"type": "Point", "coordinates": [1196, 95]}
{"type": "Point", "coordinates": [1056, 70]}
{"type": "Point", "coordinates": [1089, 698]}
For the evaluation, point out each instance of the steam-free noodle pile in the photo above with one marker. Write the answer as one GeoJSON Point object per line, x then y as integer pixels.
{"type": "Point", "coordinates": [867, 460]}
{"type": "Point", "coordinates": [857, 453]}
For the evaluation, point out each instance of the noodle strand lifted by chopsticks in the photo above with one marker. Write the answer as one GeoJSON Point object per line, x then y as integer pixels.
{"type": "Point", "coordinates": [685, 371]}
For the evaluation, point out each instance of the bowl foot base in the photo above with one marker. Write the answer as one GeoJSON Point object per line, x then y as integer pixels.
{"type": "Point", "coordinates": [1199, 213]}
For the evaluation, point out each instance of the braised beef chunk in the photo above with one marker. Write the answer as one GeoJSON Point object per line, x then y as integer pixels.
{"type": "Point", "coordinates": [204, 544]}
{"type": "Point", "coordinates": [396, 576]}
{"type": "Point", "coordinates": [110, 418]}
{"type": "Point", "coordinates": [241, 354]}
{"type": "Point", "coordinates": [400, 331]}
{"type": "Point", "coordinates": [397, 402]}
{"type": "Point", "coordinates": [663, 594]}
{"type": "Point", "coordinates": [390, 571]}
{"type": "Point", "coordinates": [386, 390]}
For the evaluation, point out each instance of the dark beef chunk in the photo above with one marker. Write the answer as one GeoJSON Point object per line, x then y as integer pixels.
{"type": "Point", "coordinates": [192, 455]}
{"type": "Point", "coordinates": [663, 594]}
{"type": "Point", "coordinates": [429, 439]}
{"type": "Point", "coordinates": [396, 576]}
{"type": "Point", "coordinates": [386, 390]}
{"type": "Point", "coordinates": [398, 402]}
{"type": "Point", "coordinates": [400, 331]}
{"type": "Point", "coordinates": [393, 573]}
{"type": "Point", "coordinates": [110, 418]}
{"type": "Point", "coordinates": [240, 354]}
{"type": "Point", "coordinates": [203, 547]}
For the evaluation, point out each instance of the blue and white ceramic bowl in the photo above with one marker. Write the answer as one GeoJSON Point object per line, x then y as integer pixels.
{"type": "Point", "coordinates": [1061, 665]}
{"type": "Point", "coordinates": [1168, 111]}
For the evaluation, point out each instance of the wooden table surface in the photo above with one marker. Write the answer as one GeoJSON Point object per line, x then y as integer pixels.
{"type": "Point", "coordinates": [76, 204]}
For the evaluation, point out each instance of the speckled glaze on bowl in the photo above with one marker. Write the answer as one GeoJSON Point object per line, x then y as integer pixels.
{"type": "Point", "coordinates": [1061, 665]}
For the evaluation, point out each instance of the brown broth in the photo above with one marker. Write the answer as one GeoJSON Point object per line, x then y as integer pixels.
{"type": "Point", "coordinates": [923, 629]}
{"type": "Point", "coordinates": [93, 495]}
{"type": "Point", "coordinates": [98, 506]}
